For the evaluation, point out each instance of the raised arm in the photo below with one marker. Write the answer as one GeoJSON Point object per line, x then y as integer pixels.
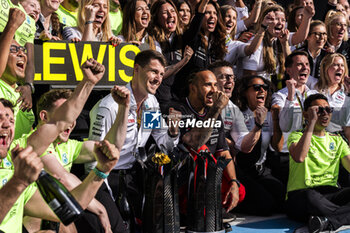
{"type": "Point", "coordinates": [299, 150]}
{"type": "Point", "coordinates": [286, 115]}
{"type": "Point", "coordinates": [27, 168]}
{"type": "Point", "coordinates": [117, 132]}
{"type": "Point", "coordinates": [277, 139]}
{"type": "Point", "coordinates": [173, 69]}
{"type": "Point", "coordinates": [303, 29]}
{"type": "Point", "coordinates": [107, 155]}
{"type": "Point", "coordinates": [254, 15]}
{"type": "Point", "coordinates": [199, 136]}
{"type": "Point", "coordinates": [284, 42]}
{"type": "Point", "coordinates": [16, 18]}
{"type": "Point", "coordinates": [67, 113]}
{"type": "Point", "coordinates": [258, 38]}
{"type": "Point", "coordinates": [25, 100]}
{"type": "Point", "coordinates": [249, 141]}
{"type": "Point", "coordinates": [88, 34]}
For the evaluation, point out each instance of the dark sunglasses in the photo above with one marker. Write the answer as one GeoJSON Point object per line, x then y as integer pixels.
{"type": "Point", "coordinates": [257, 87]}
{"type": "Point", "coordinates": [325, 109]}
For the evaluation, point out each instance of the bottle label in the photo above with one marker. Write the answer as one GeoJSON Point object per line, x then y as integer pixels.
{"type": "Point", "coordinates": [54, 204]}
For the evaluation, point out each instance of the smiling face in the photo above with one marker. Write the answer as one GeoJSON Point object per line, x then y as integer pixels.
{"type": "Point", "coordinates": [323, 117]}
{"type": "Point", "coordinates": [279, 22]}
{"type": "Point", "coordinates": [299, 70]}
{"type": "Point", "coordinates": [150, 76]}
{"type": "Point", "coordinates": [337, 28]}
{"type": "Point", "coordinates": [101, 14]}
{"type": "Point", "coordinates": [142, 15]}
{"type": "Point", "coordinates": [7, 129]}
{"type": "Point", "coordinates": [185, 13]}
{"type": "Point", "coordinates": [225, 80]}
{"type": "Point", "coordinates": [317, 37]}
{"type": "Point", "coordinates": [167, 18]}
{"type": "Point", "coordinates": [256, 93]}
{"type": "Point", "coordinates": [16, 64]}
{"type": "Point", "coordinates": [230, 20]}
{"type": "Point", "coordinates": [336, 71]}
{"type": "Point", "coordinates": [32, 7]}
{"type": "Point", "coordinates": [210, 19]}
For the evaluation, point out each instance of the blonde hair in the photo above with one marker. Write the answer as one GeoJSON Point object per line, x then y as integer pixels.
{"type": "Point", "coordinates": [224, 9]}
{"type": "Point", "coordinates": [331, 16]}
{"type": "Point", "coordinates": [269, 57]}
{"type": "Point", "coordinates": [324, 81]}
{"type": "Point", "coordinates": [106, 25]}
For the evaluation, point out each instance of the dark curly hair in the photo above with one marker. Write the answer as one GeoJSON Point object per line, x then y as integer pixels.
{"type": "Point", "coordinates": [242, 85]}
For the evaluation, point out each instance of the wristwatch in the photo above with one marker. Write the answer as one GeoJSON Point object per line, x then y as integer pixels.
{"type": "Point", "coordinates": [31, 87]}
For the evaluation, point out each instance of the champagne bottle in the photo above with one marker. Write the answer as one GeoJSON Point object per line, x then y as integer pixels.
{"type": "Point", "coordinates": [61, 202]}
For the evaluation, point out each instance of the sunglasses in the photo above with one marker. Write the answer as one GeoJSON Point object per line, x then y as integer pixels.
{"type": "Point", "coordinates": [325, 109]}
{"type": "Point", "coordinates": [257, 87]}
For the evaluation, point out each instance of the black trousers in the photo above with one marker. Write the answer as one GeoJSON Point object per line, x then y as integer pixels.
{"type": "Point", "coordinates": [327, 201]}
{"type": "Point", "coordinates": [128, 183]}
{"type": "Point", "coordinates": [278, 162]}
{"type": "Point", "coordinates": [265, 194]}
{"type": "Point", "coordinates": [89, 222]}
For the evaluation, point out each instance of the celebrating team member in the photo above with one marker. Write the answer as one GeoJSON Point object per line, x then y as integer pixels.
{"type": "Point", "coordinates": [148, 74]}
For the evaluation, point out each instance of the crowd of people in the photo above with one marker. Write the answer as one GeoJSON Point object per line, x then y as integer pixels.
{"type": "Point", "coordinates": [270, 77]}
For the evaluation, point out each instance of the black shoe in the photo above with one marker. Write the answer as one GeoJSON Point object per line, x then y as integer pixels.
{"type": "Point", "coordinates": [227, 217]}
{"type": "Point", "coordinates": [318, 224]}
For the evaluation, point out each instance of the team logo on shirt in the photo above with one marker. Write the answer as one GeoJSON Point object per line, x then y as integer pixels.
{"type": "Point", "coordinates": [64, 158]}
{"type": "Point", "coordinates": [4, 181]}
{"type": "Point", "coordinates": [331, 146]}
{"type": "Point", "coordinates": [152, 119]}
{"type": "Point", "coordinates": [7, 163]}
{"type": "Point", "coordinates": [4, 4]}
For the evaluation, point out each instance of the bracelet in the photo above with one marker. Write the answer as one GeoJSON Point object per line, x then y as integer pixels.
{"type": "Point", "coordinates": [89, 22]}
{"type": "Point", "coordinates": [259, 126]}
{"type": "Point", "coordinates": [100, 174]}
{"type": "Point", "coordinates": [235, 180]}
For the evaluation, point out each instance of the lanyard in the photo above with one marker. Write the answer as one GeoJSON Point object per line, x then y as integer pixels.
{"type": "Point", "coordinates": [301, 107]}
